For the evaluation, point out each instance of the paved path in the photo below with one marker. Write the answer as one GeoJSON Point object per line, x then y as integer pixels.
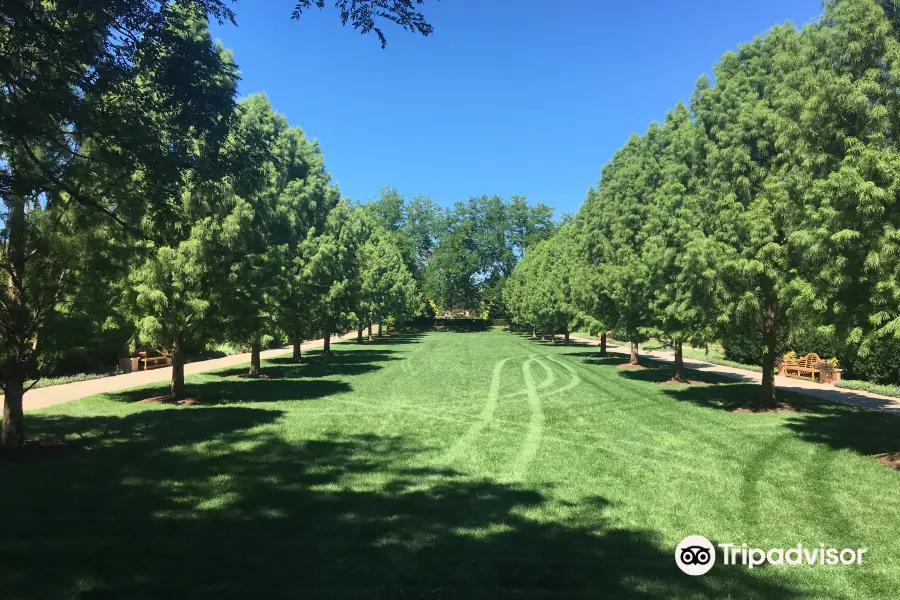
{"type": "Point", "coordinates": [67, 392]}
{"type": "Point", "coordinates": [819, 390]}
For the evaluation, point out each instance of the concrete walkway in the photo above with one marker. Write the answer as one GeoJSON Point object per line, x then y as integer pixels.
{"type": "Point", "coordinates": [801, 386]}
{"type": "Point", "coordinates": [67, 392]}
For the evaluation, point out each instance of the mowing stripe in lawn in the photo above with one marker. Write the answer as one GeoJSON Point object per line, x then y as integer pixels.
{"type": "Point", "coordinates": [535, 424]}
{"type": "Point", "coordinates": [487, 413]}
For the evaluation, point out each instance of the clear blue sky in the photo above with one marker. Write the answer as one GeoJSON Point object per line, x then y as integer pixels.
{"type": "Point", "coordinates": [509, 97]}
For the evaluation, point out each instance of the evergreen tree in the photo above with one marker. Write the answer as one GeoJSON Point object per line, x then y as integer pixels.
{"type": "Point", "coordinates": [334, 267]}
{"type": "Point", "coordinates": [681, 259]}
{"type": "Point", "coordinates": [748, 190]}
{"type": "Point", "coordinates": [173, 285]}
{"type": "Point", "coordinates": [613, 236]}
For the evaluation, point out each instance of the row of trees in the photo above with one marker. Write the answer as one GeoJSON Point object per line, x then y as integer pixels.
{"type": "Point", "coordinates": [137, 191]}
{"type": "Point", "coordinates": [767, 207]}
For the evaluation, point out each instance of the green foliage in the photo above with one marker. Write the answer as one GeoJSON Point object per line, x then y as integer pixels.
{"type": "Point", "coordinates": [881, 364]}
{"type": "Point", "coordinates": [539, 293]}
{"type": "Point", "coordinates": [179, 263]}
{"type": "Point", "coordinates": [365, 14]}
{"type": "Point", "coordinates": [618, 288]}
{"type": "Point", "coordinates": [480, 242]}
{"type": "Point", "coordinates": [387, 288]}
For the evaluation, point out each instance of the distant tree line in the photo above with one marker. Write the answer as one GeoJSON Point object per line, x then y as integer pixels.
{"type": "Point", "coordinates": [765, 214]}
{"type": "Point", "coordinates": [461, 255]}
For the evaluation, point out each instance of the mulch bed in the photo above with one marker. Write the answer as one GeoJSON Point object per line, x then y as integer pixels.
{"type": "Point", "coordinates": [631, 366]}
{"type": "Point", "coordinates": [780, 407]}
{"type": "Point", "coordinates": [674, 381]}
{"type": "Point", "coordinates": [249, 376]}
{"type": "Point", "coordinates": [190, 401]}
{"type": "Point", "coordinates": [890, 459]}
{"type": "Point", "coordinates": [35, 452]}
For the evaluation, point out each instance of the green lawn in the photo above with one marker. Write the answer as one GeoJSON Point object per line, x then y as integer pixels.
{"type": "Point", "coordinates": [446, 465]}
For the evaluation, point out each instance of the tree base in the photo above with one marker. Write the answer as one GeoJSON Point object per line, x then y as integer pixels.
{"type": "Point", "coordinates": [168, 399]}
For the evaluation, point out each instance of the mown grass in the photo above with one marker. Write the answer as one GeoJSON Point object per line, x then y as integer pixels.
{"type": "Point", "coordinates": [446, 465]}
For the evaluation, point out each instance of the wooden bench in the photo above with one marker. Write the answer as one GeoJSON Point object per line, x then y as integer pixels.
{"type": "Point", "coordinates": [803, 367]}
{"type": "Point", "coordinates": [149, 358]}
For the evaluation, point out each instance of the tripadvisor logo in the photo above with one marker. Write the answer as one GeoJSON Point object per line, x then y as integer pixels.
{"type": "Point", "coordinates": [696, 555]}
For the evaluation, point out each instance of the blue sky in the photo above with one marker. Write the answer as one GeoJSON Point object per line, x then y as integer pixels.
{"type": "Point", "coordinates": [526, 97]}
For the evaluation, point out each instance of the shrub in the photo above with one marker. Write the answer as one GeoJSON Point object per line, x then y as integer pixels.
{"type": "Point", "coordinates": [743, 349]}
{"type": "Point", "coordinates": [826, 366]}
{"type": "Point", "coordinates": [882, 365]}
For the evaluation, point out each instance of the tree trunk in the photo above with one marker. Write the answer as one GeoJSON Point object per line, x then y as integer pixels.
{"type": "Point", "coordinates": [370, 331]}
{"type": "Point", "coordinates": [603, 343]}
{"type": "Point", "coordinates": [567, 337]}
{"type": "Point", "coordinates": [295, 339]}
{"type": "Point", "coordinates": [767, 393]}
{"type": "Point", "coordinates": [255, 362]}
{"type": "Point", "coordinates": [359, 334]}
{"type": "Point", "coordinates": [679, 362]}
{"type": "Point", "coordinates": [634, 353]}
{"type": "Point", "coordinates": [326, 337]}
{"type": "Point", "coordinates": [770, 343]}
{"type": "Point", "coordinates": [533, 333]}
{"type": "Point", "coordinates": [552, 336]}
{"type": "Point", "coordinates": [176, 389]}
{"type": "Point", "coordinates": [14, 371]}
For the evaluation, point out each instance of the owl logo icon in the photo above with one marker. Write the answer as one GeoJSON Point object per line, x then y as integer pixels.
{"type": "Point", "coordinates": [695, 555]}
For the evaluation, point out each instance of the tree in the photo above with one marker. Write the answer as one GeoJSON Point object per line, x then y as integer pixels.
{"type": "Point", "coordinates": [387, 288]}
{"type": "Point", "coordinates": [334, 266]}
{"type": "Point", "coordinates": [613, 235]}
{"type": "Point", "coordinates": [246, 298]}
{"type": "Point", "coordinates": [749, 190]}
{"type": "Point", "coordinates": [540, 291]}
{"type": "Point", "coordinates": [480, 243]}
{"type": "Point", "coordinates": [307, 199]}
{"type": "Point", "coordinates": [423, 218]}
{"type": "Point", "coordinates": [682, 261]}
{"type": "Point", "coordinates": [172, 287]}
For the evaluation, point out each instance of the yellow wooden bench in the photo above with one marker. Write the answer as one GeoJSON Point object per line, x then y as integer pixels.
{"type": "Point", "coordinates": [803, 367]}
{"type": "Point", "coordinates": [149, 358]}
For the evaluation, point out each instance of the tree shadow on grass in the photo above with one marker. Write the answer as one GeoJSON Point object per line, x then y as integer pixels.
{"type": "Point", "coordinates": [215, 503]}
{"type": "Point", "coordinates": [660, 372]}
{"type": "Point", "coordinates": [595, 358]}
{"type": "Point", "coordinates": [395, 339]}
{"type": "Point", "coordinates": [234, 391]}
{"type": "Point", "coordinates": [847, 427]}
{"type": "Point", "coordinates": [356, 362]}
{"type": "Point", "coordinates": [731, 395]}
{"type": "Point", "coordinates": [303, 371]}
